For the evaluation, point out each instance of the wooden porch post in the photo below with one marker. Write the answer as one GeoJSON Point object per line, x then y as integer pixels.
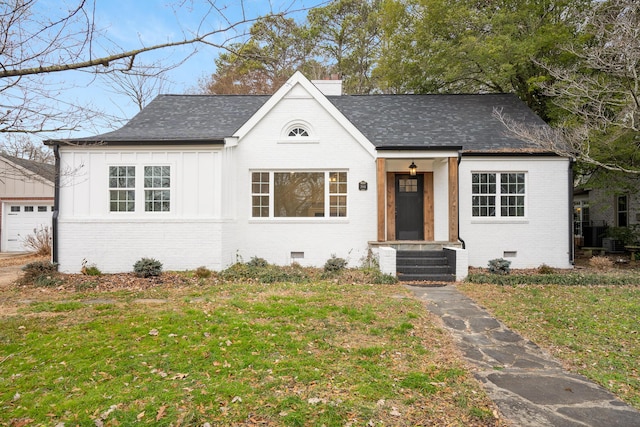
{"type": "Point", "coordinates": [380, 190]}
{"type": "Point", "coordinates": [453, 199]}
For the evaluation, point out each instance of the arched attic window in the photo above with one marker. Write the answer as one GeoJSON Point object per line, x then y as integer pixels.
{"type": "Point", "coordinates": [298, 131]}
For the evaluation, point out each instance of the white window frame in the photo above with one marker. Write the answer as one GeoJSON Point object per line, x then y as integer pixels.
{"type": "Point", "coordinates": [140, 190]}
{"type": "Point", "coordinates": [498, 197]}
{"type": "Point", "coordinates": [327, 197]}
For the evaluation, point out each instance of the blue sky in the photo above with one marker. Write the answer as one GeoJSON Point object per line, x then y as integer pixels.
{"type": "Point", "coordinates": [130, 24]}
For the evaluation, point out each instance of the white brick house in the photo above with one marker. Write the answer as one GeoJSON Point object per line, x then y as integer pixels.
{"type": "Point", "coordinates": [203, 180]}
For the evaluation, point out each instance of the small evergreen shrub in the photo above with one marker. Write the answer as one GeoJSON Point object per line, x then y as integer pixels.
{"type": "Point", "coordinates": [499, 266]}
{"type": "Point", "coordinates": [335, 264]}
{"type": "Point", "coordinates": [147, 267]}
{"type": "Point", "coordinates": [36, 272]}
{"type": "Point", "coordinates": [256, 262]}
{"type": "Point", "coordinates": [47, 281]}
{"type": "Point", "coordinates": [202, 273]}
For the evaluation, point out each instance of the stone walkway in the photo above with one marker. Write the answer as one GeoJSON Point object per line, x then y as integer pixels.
{"type": "Point", "coordinates": [527, 384]}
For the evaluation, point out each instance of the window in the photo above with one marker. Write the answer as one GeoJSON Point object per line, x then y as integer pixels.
{"type": "Point", "coordinates": [622, 211]}
{"type": "Point", "coordinates": [298, 131]}
{"type": "Point", "coordinates": [580, 216]}
{"type": "Point", "coordinates": [490, 199]}
{"type": "Point", "coordinates": [260, 194]}
{"type": "Point", "coordinates": [15, 208]}
{"type": "Point", "coordinates": [298, 194]}
{"type": "Point", "coordinates": [157, 195]}
{"type": "Point", "coordinates": [155, 181]}
{"type": "Point", "coordinates": [122, 183]}
{"type": "Point", "coordinates": [28, 208]}
{"type": "Point", "coordinates": [409, 185]}
{"type": "Point", "coordinates": [42, 208]}
{"type": "Point", "coordinates": [338, 194]}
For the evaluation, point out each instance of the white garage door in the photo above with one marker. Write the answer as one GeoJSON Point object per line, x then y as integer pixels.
{"type": "Point", "coordinates": [20, 222]}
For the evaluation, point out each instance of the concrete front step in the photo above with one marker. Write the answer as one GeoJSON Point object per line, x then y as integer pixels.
{"type": "Point", "coordinates": [423, 269]}
{"type": "Point", "coordinates": [403, 277]}
{"type": "Point", "coordinates": [423, 265]}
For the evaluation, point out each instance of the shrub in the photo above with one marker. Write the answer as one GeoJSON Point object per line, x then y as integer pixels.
{"type": "Point", "coordinates": [36, 272]}
{"type": "Point", "coordinates": [545, 269]}
{"type": "Point", "coordinates": [499, 266]}
{"type": "Point", "coordinates": [147, 267]}
{"type": "Point", "coordinates": [601, 263]}
{"type": "Point", "coordinates": [40, 241]}
{"type": "Point", "coordinates": [90, 270]}
{"type": "Point", "coordinates": [202, 272]}
{"type": "Point", "coordinates": [256, 262]}
{"type": "Point", "coordinates": [335, 264]}
{"type": "Point", "coordinates": [47, 281]}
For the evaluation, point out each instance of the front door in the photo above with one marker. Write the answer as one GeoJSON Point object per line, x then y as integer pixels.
{"type": "Point", "coordinates": [409, 207]}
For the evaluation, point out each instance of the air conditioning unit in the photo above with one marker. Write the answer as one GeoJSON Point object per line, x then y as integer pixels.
{"type": "Point", "coordinates": [612, 245]}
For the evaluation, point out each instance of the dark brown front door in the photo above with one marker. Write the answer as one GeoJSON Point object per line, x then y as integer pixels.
{"type": "Point", "coordinates": [409, 207]}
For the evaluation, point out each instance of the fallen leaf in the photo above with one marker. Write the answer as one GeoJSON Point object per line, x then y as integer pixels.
{"type": "Point", "coordinates": [161, 412]}
{"type": "Point", "coordinates": [236, 399]}
{"type": "Point", "coordinates": [153, 332]}
{"type": "Point", "coordinates": [179, 376]}
{"type": "Point", "coordinates": [140, 416]}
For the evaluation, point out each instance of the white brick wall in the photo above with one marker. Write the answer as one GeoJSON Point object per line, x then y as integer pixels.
{"type": "Point", "coordinates": [114, 246]}
{"type": "Point", "coordinates": [542, 236]}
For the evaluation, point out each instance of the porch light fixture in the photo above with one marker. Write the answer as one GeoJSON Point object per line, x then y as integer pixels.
{"type": "Point", "coordinates": [413, 169]}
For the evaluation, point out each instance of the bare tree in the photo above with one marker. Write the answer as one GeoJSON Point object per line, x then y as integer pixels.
{"type": "Point", "coordinates": [38, 42]}
{"type": "Point", "coordinates": [23, 147]}
{"type": "Point", "coordinates": [600, 93]}
{"type": "Point", "coordinates": [142, 84]}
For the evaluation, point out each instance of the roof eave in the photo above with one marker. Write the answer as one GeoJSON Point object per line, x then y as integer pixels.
{"type": "Point", "coordinates": [135, 142]}
{"type": "Point", "coordinates": [419, 148]}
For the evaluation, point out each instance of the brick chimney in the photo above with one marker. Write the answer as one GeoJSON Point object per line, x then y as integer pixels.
{"type": "Point", "coordinates": [329, 87]}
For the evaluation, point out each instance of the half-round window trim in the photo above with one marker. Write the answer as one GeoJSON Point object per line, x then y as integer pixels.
{"type": "Point", "coordinates": [297, 132]}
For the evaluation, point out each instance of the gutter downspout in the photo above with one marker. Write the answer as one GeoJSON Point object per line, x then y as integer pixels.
{"type": "Point", "coordinates": [572, 249]}
{"type": "Point", "coordinates": [464, 245]}
{"type": "Point", "coordinates": [56, 204]}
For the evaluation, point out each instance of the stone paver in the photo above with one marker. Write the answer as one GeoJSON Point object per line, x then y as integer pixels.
{"type": "Point", "coordinates": [527, 384]}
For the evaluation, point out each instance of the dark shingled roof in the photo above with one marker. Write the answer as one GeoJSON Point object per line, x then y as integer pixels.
{"type": "Point", "coordinates": [45, 170]}
{"type": "Point", "coordinates": [388, 121]}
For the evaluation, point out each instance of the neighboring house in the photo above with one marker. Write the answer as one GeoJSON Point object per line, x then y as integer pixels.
{"type": "Point", "coordinates": [606, 201]}
{"type": "Point", "coordinates": [206, 180]}
{"type": "Point", "coordinates": [26, 200]}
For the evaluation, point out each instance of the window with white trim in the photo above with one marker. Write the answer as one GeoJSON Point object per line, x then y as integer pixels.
{"type": "Point", "coordinates": [157, 193]}
{"type": "Point", "coordinates": [122, 188]}
{"type": "Point", "coordinates": [298, 194]}
{"type": "Point", "coordinates": [498, 194]}
{"type": "Point", "coordinates": [154, 181]}
{"type": "Point", "coordinates": [260, 194]}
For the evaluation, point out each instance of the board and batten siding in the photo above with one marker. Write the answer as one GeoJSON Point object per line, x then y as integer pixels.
{"type": "Point", "coordinates": [542, 236]}
{"type": "Point", "coordinates": [329, 147]}
{"type": "Point", "coordinates": [188, 236]}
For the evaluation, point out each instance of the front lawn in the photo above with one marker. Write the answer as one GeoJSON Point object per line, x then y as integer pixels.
{"type": "Point", "coordinates": [594, 330]}
{"type": "Point", "coordinates": [200, 351]}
